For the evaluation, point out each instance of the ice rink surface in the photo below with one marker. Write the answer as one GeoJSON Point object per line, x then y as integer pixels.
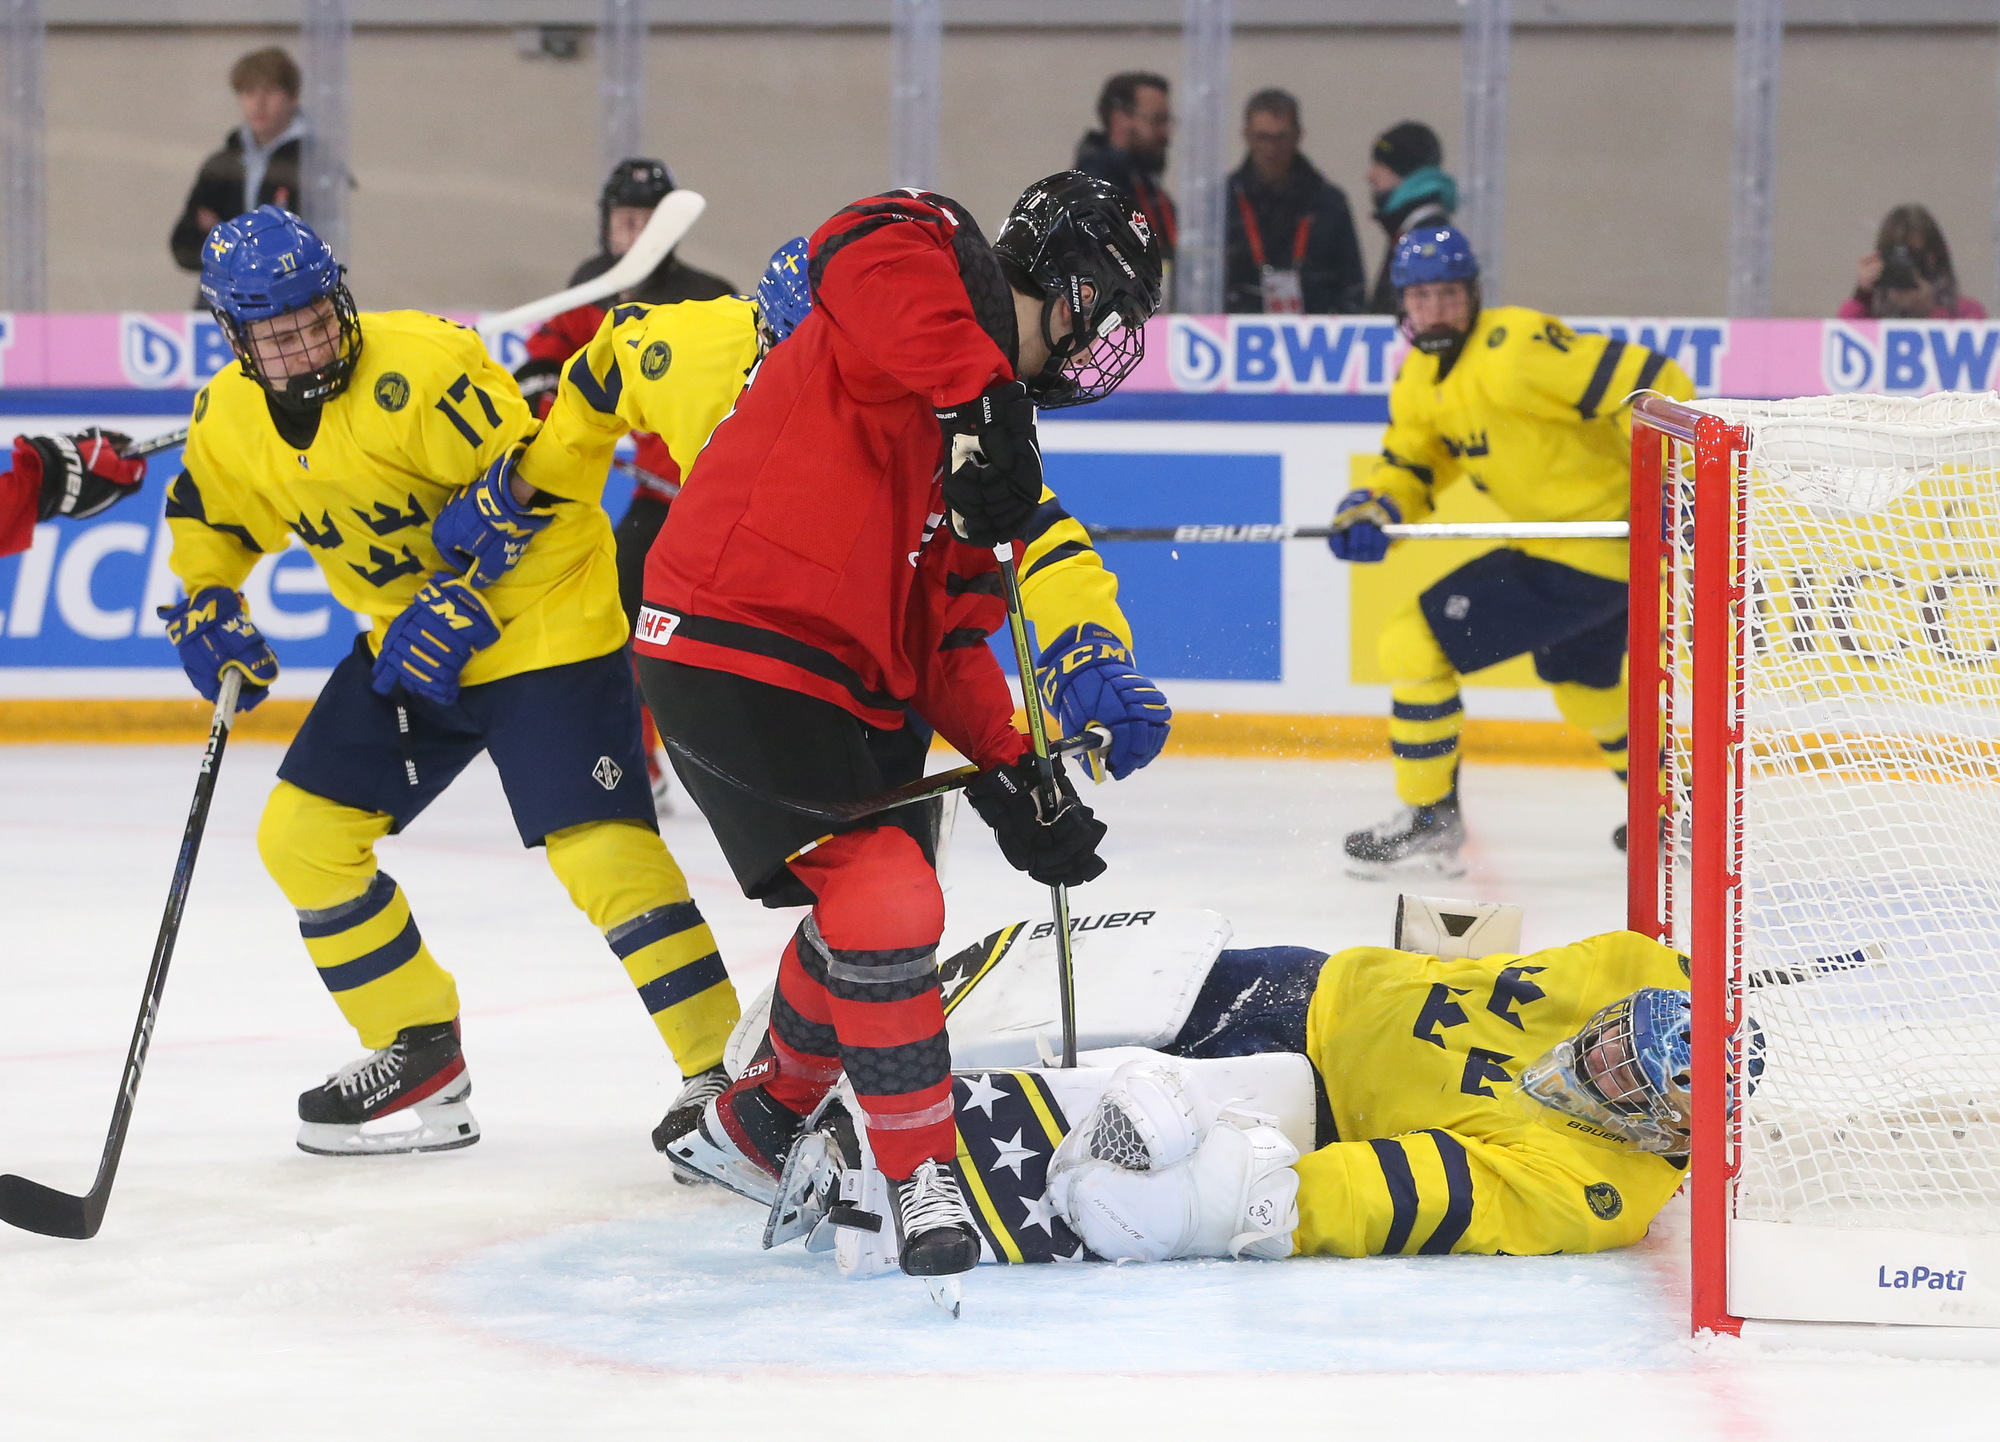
{"type": "Point", "coordinates": [551, 1282]}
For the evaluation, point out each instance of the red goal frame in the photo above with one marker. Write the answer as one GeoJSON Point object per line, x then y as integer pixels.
{"type": "Point", "coordinates": [1712, 606]}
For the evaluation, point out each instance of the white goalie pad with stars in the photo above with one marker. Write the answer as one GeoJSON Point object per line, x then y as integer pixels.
{"type": "Point", "coordinates": [1137, 976]}
{"type": "Point", "coordinates": [1010, 1122]}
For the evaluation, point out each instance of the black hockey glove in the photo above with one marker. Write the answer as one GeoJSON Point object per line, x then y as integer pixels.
{"type": "Point", "coordinates": [539, 381]}
{"type": "Point", "coordinates": [79, 474]}
{"type": "Point", "coordinates": [1056, 844]}
{"type": "Point", "coordinates": [994, 481]}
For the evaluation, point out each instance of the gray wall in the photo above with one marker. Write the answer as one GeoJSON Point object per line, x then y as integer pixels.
{"type": "Point", "coordinates": [478, 172]}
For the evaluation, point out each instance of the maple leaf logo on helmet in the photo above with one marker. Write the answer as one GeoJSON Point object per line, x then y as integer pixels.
{"type": "Point", "coordinates": [1139, 228]}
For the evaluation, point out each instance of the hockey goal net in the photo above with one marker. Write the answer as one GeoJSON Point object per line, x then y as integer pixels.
{"type": "Point", "coordinates": [1816, 663]}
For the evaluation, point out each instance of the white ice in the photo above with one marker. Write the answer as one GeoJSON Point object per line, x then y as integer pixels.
{"type": "Point", "coordinates": [551, 1282]}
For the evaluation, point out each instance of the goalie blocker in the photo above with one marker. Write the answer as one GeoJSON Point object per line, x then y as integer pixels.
{"type": "Point", "coordinates": [1271, 1101]}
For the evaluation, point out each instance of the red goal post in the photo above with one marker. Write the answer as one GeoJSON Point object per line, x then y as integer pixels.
{"type": "Point", "coordinates": [1815, 821]}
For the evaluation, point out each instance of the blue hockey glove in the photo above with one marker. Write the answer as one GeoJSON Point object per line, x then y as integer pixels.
{"type": "Point", "coordinates": [1357, 526]}
{"type": "Point", "coordinates": [1086, 675]}
{"type": "Point", "coordinates": [426, 647]}
{"type": "Point", "coordinates": [483, 531]}
{"type": "Point", "coordinates": [213, 635]}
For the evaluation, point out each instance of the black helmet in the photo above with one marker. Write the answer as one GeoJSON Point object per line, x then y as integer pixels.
{"type": "Point", "coordinates": [1072, 237]}
{"type": "Point", "coordinates": [641, 183]}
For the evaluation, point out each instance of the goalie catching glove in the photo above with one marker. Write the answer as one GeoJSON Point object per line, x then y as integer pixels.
{"type": "Point", "coordinates": [1085, 675]}
{"type": "Point", "coordinates": [1054, 841]}
{"type": "Point", "coordinates": [213, 634]}
{"type": "Point", "coordinates": [483, 530]}
{"type": "Point", "coordinates": [79, 475]}
{"type": "Point", "coordinates": [994, 478]}
{"type": "Point", "coordinates": [1357, 526]}
{"type": "Point", "coordinates": [1143, 1180]}
{"type": "Point", "coordinates": [426, 646]}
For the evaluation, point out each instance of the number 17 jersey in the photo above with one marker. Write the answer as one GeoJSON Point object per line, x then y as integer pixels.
{"type": "Point", "coordinates": [425, 413]}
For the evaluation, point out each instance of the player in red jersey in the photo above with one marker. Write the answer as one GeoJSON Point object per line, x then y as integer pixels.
{"type": "Point", "coordinates": [824, 594]}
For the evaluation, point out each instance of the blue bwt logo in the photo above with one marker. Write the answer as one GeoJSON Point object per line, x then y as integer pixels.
{"type": "Point", "coordinates": [1945, 1281]}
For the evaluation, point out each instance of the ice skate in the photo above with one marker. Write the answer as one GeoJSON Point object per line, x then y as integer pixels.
{"type": "Point", "coordinates": [408, 1097]}
{"type": "Point", "coordinates": [809, 1202]}
{"type": "Point", "coordinates": [934, 1234]}
{"type": "Point", "coordinates": [696, 1092]}
{"type": "Point", "coordinates": [739, 1137]}
{"type": "Point", "coordinates": [1416, 840]}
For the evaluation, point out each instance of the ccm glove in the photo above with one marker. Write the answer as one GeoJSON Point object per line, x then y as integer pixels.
{"type": "Point", "coordinates": [483, 530]}
{"type": "Point", "coordinates": [1053, 839]}
{"type": "Point", "coordinates": [213, 635]}
{"type": "Point", "coordinates": [1357, 526]}
{"type": "Point", "coordinates": [994, 480]}
{"type": "Point", "coordinates": [80, 475]}
{"type": "Point", "coordinates": [1086, 675]}
{"type": "Point", "coordinates": [426, 647]}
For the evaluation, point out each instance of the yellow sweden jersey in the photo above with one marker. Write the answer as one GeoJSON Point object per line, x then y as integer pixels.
{"type": "Point", "coordinates": [676, 370]}
{"type": "Point", "coordinates": [1421, 1056]}
{"type": "Point", "coordinates": [426, 412]}
{"type": "Point", "coordinates": [1533, 414]}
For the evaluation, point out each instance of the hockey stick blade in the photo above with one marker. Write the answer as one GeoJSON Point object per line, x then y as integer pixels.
{"type": "Point", "coordinates": [671, 220]}
{"type": "Point", "coordinates": [1094, 738]}
{"type": "Point", "coordinates": [36, 1208]}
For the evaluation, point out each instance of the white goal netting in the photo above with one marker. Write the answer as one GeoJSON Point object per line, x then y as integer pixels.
{"type": "Point", "coordinates": [1867, 1063]}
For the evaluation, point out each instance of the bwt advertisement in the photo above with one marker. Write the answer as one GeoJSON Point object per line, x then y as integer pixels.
{"type": "Point", "coordinates": [1229, 419]}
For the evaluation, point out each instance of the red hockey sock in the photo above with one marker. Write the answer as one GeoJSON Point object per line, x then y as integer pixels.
{"type": "Point", "coordinates": [802, 1036]}
{"type": "Point", "coordinates": [870, 948]}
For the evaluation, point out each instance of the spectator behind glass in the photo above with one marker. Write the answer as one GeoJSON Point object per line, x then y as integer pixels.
{"type": "Point", "coordinates": [1130, 152]}
{"type": "Point", "coordinates": [1908, 273]}
{"type": "Point", "coordinates": [1410, 189]}
{"type": "Point", "coordinates": [1291, 244]}
{"type": "Point", "coordinates": [259, 160]}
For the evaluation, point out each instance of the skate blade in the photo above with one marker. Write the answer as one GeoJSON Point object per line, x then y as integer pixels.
{"type": "Point", "coordinates": [796, 1211]}
{"type": "Point", "coordinates": [699, 1160]}
{"type": "Point", "coordinates": [1410, 868]}
{"type": "Point", "coordinates": [946, 1292]}
{"type": "Point", "coordinates": [442, 1128]}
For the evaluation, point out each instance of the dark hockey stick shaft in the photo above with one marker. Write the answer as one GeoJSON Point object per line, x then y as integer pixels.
{"type": "Point", "coordinates": [1031, 702]}
{"type": "Point", "coordinates": [159, 443]}
{"type": "Point", "coordinates": [924, 788]}
{"type": "Point", "coordinates": [36, 1208]}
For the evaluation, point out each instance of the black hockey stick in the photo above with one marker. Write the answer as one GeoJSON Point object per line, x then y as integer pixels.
{"type": "Point", "coordinates": [37, 1208]}
{"type": "Point", "coordinates": [1094, 738]}
{"type": "Point", "coordinates": [1031, 702]}
{"type": "Point", "coordinates": [159, 443]}
{"type": "Point", "coordinates": [1261, 531]}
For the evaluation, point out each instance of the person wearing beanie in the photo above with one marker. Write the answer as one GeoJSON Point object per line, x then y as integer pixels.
{"type": "Point", "coordinates": [1407, 179]}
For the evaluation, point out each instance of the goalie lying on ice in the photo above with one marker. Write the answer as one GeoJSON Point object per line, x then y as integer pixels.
{"type": "Point", "coordinates": [1279, 1101]}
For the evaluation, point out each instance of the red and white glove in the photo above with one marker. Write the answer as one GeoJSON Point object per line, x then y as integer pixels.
{"type": "Point", "coordinates": [79, 475]}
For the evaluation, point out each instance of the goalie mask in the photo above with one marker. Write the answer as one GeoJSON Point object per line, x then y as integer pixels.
{"type": "Point", "coordinates": [276, 291]}
{"type": "Point", "coordinates": [1625, 1073]}
{"type": "Point", "coordinates": [1073, 238]}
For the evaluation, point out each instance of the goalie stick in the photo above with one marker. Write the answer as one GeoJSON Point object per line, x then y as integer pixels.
{"type": "Point", "coordinates": [1094, 738]}
{"type": "Point", "coordinates": [671, 220]}
{"type": "Point", "coordinates": [1402, 531]}
{"type": "Point", "coordinates": [36, 1208]}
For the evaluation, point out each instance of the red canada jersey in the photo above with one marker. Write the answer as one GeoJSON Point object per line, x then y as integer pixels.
{"type": "Point", "coordinates": [813, 554]}
{"type": "Point", "coordinates": [561, 337]}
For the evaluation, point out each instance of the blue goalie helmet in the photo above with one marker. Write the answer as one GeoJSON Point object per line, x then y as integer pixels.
{"type": "Point", "coordinates": [1626, 1073]}
{"type": "Point", "coordinates": [276, 290]}
{"type": "Point", "coordinates": [784, 295]}
{"type": "Point", "coordinates": [1433, 253]}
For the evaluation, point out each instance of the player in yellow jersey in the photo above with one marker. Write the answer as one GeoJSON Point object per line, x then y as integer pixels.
{"type": "Point", "coordinates": [676, 370]}
{"type": "Point", "coordinates": [1519, 1104]}
{"type": "Point", "coordinates": [367, 436]}
{"type": "Point", "coordinates": [1539, 418]}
